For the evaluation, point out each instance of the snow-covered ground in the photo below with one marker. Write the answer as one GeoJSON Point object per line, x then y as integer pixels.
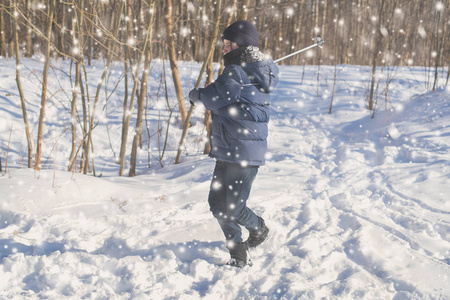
{"type": "Point", "coordinates": [358, 208]}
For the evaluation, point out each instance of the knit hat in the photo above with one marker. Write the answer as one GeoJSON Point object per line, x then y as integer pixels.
{"type": "Point", "coordinates": [242, 33]}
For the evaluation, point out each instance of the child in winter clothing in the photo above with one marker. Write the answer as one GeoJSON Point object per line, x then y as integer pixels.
{"type": "Point", "coordinates": [239, 103]}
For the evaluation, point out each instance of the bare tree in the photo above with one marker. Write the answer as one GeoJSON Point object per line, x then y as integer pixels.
{"type": "Point", "coordinates": [376, 49]}
{"type": "Point", "coordinates": [173, 61]}
{"type": "Point", "coordinates": [199, 79]}
{"type": "Point", "coordinates": [19, 87]}
{"type": "Point", "coordinates": [291, 21]}
{"type": "Point", "coordinates": [128, 114]}
{"type": "Point", "coordinates": [415, 33]}
{"type": "Point", "coordinates": [336, 30]}
{"type": "Point", "coordinates": [28, 38]}
{"type": "Point", "coordinates": [126, 29]}
{"type": "Point", "coordinates": [2, 31]}
{"type": "Point", "coordinates": [209, 78]}
{"type": "Point", "coordinates": [84, 163]}
{"type": "Point", "coordinates": [148, 56]}
{"type": "Point", "coordinates": [112, 43]}
{"type": "Point", "coordinates": [439, 41]}
{"type": "Point", "coordinates": [77, 50]}
{"type": "Point", "coordinates": [243, 12]}
{"type": "Point", "coordinates": [48, 36]}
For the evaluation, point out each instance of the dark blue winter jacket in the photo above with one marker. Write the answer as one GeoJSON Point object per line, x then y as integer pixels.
{"type": "Point", "coordinates": [239, 102]}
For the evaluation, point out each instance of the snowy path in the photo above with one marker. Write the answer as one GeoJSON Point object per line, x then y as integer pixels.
{"type": "Point", "coordinates": [354, 213]}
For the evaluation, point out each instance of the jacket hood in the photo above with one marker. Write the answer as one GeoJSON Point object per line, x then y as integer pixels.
{"type": "Point", "coordinates": [262, 71]}
{"type": "Point", "coordinates": [265, 73]}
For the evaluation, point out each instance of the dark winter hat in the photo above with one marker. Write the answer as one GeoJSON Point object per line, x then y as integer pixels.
{"type": "Point", "coordinates": [242, 33]}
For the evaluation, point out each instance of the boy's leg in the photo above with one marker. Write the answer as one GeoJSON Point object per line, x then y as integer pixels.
{"type": "Point", "coordinates": [230, 189]}
{"type": "Point", "coordinates": [240, 180]}
{"type": "Point", "coordinates": [218, 203]}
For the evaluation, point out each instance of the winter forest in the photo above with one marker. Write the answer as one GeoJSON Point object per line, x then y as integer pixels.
{"type": "Point", "coordinates": [104, 167]}
{"type": "Point", "coordinates": [134, 33]}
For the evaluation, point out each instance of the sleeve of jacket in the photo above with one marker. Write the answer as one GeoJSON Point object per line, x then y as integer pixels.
{"type": "Point", "coordinates": [222, 92]}
{"type": "Point", "coordinates": [194, 96]}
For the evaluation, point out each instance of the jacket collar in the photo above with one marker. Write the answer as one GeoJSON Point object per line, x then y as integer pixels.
{"type": "Point", "coordinates": [234, 57]}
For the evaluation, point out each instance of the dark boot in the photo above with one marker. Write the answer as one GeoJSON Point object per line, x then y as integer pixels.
{"type": "Point", "coordinates": [239, 255]}
{"type": "Point", "coordinates": [257, 237]}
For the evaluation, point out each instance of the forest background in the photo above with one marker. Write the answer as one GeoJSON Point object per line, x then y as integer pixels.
{"type": "Point", "coordinates": [375, 33]}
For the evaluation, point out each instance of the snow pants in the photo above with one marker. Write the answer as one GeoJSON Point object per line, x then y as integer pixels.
{"type": "Point", "coordinates": [229, 191]}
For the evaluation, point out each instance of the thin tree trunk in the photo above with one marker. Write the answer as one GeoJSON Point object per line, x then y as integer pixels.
{"type": "Point", "coordinates": [48, 35]}
{"type": "Point", "coordinates": [126, 123]}
{"type": "Point", "coordinates": [209, 79]}
{"type": "Point", "coordinates": [324, 17]}
{"type": "Point", "coordinates": [166, 95]}
{"type": "Point", "coordinates": [28, 39]}
{"type": "Point", "coordinates": [85, 98]}
{"type": "Point", "coordinates": [62, 33]}
{"type": "Point", "coordinates": [363, 24]}
{"type": "Point", "coordinates": [85, 102]}
{"type": "Point", "coordinates": [335, 59]}
{"type": "Point", "coordinates": [90, 41]}
{"type": "Point", "coordinates": [448, 73]}
{"type": "Point", "coordinates": [73, 115]}
{"type": "Point", "coordinates": [2, 31]}
{"type": "Point", "coordinates": [348, 49]}
{"type": "Point", "coordinates": [173, 62]}
{"type": "Point", "coordinates": [144, 79]}
{"type": "Point", "coordinates": [22, 96]}
{"type": "Point", "coordinates": [78, 54]}
{"type": "Point", "coordinates": [316, 18]}
{"type": "Point", "coordinates": [199, 79]}
{"type": "Point", "coordinates": [126, 67]}
{"type": "Point", "coordinates": [112, 44]}
{"type": "Point", "coordinates": [243, 12]}
{"type": "Point", "coordinates": [208, 123]}
{"type": "Point", "coordinates": [438, 51]}
{"type": "Point", "coordinates": [375, 56]}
